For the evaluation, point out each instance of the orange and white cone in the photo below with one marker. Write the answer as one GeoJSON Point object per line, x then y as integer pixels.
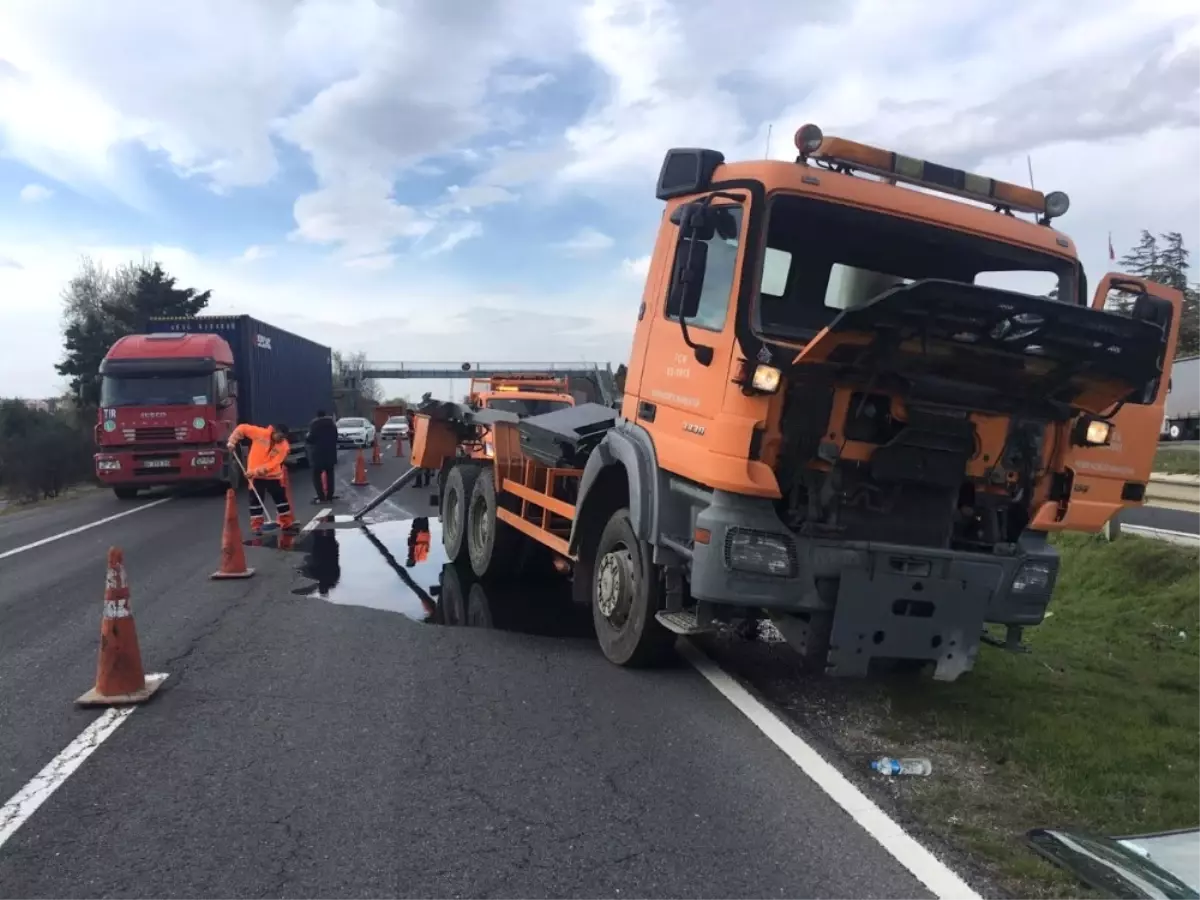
{"type": "Point", "coordinates": [360, 471]}
{"type": "Point", "coordinates": [376, 455]}
{"type": "Point", "coordinates": [233, 554]}
{"type": "Point", "coordinates": [120, 679]}
{"type": "Point", "coordinates": [399, 446]}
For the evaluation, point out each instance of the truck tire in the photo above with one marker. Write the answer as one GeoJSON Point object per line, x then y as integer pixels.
{"type": "Point", "coordinates": [126, 493]}
{"type": "Point", "coordinates": [625, 595]}
{"type": "Point", "coordinates": [456, 500]}
{"type": "Point", "coordinates": [1175, 431]}
{"type": "Point", "coordinates": [491, 544]}
{"type": "Point", "coordinates": [452, 602]}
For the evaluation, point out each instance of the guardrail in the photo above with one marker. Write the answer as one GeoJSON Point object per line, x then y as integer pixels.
{"type": "Point", "coordinates": [1180, 492]}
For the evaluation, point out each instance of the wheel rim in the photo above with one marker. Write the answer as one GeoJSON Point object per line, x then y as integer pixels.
{"type": "Point", "coordinates": [479, 525]}
{"type": "Point", "coordinates": [615, 585]}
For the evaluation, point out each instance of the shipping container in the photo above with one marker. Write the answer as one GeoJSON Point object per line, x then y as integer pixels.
{"type": "Point", "coordinates": [281, 377]}
{"type": "Point", "coordinates": [1182, 414]}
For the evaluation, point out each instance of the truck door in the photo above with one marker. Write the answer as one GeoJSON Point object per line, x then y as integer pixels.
{"type": "Point", "coordinates": [679, 395]}
{"type": "Point", "coordinates": [1109, 477]}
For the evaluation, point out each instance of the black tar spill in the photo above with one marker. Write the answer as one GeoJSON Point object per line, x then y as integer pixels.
{"type": "Point", "coordinates": [400, 566]}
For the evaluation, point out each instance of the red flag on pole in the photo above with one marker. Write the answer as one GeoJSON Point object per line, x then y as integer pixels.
{"type": "Point", "coordinates": [1112, 254]}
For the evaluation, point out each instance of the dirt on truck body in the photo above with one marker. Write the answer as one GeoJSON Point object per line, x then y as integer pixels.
{"type": "Point", "coordinates": [834, 416]}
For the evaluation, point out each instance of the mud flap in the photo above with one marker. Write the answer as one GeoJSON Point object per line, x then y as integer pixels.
{"type": "Point", "coordinates": [888, 616]}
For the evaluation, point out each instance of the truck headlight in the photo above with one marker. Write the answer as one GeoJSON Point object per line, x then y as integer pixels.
{"type": "Point", "coordinates": [760, 552]}
{"type": "Point", "coordinates": [766, 379]}
{"type": "Point", "coordinates": [1034, 577]}
{"type": "Point", "coordinates": [1090, 432]}
{"type": "Point", "coordinates": [108, 465]}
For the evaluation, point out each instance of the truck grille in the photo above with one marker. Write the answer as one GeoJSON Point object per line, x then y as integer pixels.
{"type": "Point", "coordinates": [158, 433]}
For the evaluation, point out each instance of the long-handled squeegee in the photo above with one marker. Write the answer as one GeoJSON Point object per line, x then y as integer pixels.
{"type": "Point", "coordinates": [387, 492]}
{"type": "Point", "coordinates": [270, 523]}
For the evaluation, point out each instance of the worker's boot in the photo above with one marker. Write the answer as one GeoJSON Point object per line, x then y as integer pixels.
{"type": "Point", "coordinates": [287, 521]}
{"type": "Point", "coordinates": [256, 524]}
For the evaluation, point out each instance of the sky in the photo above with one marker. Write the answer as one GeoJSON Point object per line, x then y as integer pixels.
{"type": "Point", "coordinates": [473, 180]}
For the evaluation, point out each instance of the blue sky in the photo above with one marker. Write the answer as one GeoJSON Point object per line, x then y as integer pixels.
{"type": "Point", "coordinates": [399, 177]}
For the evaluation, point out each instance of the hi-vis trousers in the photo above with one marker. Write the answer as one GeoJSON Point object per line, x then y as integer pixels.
{"type": "Point", "coordinates": [283, 509]}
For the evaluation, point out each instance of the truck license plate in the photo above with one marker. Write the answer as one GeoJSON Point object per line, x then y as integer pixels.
{"type": "Point", "coordinates": [156, 464]}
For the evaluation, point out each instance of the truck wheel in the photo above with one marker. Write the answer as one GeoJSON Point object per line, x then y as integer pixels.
{"type": "Point", "coordinates": [491, 544]}
{"type": "Point", "coordinates": [453, 599]}
{"type": "Point", "coordinates": [625, 596]}
{"type": "Point", "coordinates": [126, 493]}
{"type": "Point", "coordinates": [1175, 431]}
{"type": "Point", "coordinates": [456, 499]}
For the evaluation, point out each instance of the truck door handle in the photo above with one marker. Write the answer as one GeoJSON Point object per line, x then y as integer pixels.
{"type": "Point", "coordinates": [646, 411]}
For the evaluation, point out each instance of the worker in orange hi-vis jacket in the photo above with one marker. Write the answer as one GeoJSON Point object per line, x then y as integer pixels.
{"type": "Point", "coordinates": [268, 453]}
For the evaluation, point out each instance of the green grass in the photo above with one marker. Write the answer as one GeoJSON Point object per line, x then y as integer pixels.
{"type": "Point", "coordinates": [1096, 727]}
{"type": "Point", "coordinates": [1178, 460]}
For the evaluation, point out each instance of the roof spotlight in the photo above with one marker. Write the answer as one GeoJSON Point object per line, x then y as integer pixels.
{"type": "Point", "coordinates": [808, 139]}
{"type": "Point", "coordinates": [1057, 203]}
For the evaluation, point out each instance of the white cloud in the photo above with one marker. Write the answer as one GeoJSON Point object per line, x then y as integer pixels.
{"type": "Point", "coordinates": [388, 101]}
{"type": "Point", "coordinates": [35, 193]}
{"type": "Point", "coordinates": [253, 253]}
{"type": "Point", "coordinates": [356, 307]}
{"type": "Point", "coordinates": [464, 231]}
{"type": "Point", "coordinates": [586, 242]}
{"type": "Point", "coordinates": [637, 268]}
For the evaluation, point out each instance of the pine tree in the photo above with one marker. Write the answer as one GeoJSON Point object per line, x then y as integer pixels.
{"type": "Point", "coordinates": [100, 306]}
{"type": "Point", "coordinates": [1174, 272]}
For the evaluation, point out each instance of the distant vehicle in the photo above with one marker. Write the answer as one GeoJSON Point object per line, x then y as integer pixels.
{"type": "Point", "coordinates": [395, 427]}
{"type": "Point", "coordinates": [1181, 421]}
{"type": "Point", "coordinates": [169, 398]}
{"type": "Point", "coordinates": [355, 432]}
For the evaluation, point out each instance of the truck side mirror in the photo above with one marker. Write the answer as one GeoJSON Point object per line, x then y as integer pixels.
{"type": "Point", "coordinates": [691, 260]}
{"type": "Point", "coordinates": [695, 220]}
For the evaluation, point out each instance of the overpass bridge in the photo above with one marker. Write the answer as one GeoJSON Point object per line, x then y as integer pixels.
{"type": "Point", "coordinates": [601, 375]}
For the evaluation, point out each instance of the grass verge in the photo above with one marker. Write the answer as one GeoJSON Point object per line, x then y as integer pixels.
{"type": "Point", "coordinates": [1178, 460]}
{"type": "Point", "coordinates": [1096, 727]}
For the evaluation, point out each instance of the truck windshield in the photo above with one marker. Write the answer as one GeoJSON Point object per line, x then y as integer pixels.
{"type": "Point", "coordinates": [156, 390]}
{"type": "Point", "coordinates": [822, 258]}
{"type": "Point", "coordinates": [526, 406]}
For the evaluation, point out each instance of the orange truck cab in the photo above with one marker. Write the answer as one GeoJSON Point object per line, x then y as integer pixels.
{"type": "Point", "coordinates": [864, 390]}
{"type": "Point", "coordinates": [519, 394]}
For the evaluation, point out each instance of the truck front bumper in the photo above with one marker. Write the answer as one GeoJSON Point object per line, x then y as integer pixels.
{"type": "Point", "coordinates": [879, 600]}
{"type": "Point", "coordinates": [150, 468]}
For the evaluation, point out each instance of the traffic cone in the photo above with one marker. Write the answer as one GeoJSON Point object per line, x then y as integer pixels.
{"type": "Point", "coordinates": [360, 470]}
{"type": "Point", "coordinates": [376, 456]}
{"type": "Point", "coordinates": [399, 447]}
{"type": "Point", "coordinates": [233, 557]}
{"type": "Point", "coordinates": [120, 678]}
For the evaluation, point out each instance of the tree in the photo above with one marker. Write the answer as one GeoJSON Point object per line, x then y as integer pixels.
{"type": "Point", "coordinates": [619, 378]}
{"type": "Point", "coordinates": [99, 307]}
{"type": "Point", "coordinates": [1165, 259]}
{"type": "Point", "coordinates": [1174, 265]}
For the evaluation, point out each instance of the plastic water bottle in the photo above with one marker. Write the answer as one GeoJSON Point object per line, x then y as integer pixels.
{"type": "Point", "coordinates": [913, 765]}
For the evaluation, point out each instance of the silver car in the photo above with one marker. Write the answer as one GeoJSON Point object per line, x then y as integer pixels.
{"type": "Point", "coordinates": [393, 428]}
{"type": "Point", "coordinates": [355, 432]}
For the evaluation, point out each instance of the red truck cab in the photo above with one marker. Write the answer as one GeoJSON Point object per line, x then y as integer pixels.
{"type": "Point", "coordinates": [167, 407]}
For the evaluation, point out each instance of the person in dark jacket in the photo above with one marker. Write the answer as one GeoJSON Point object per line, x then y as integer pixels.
{"type": "Point", "coordinates": [322, 441]}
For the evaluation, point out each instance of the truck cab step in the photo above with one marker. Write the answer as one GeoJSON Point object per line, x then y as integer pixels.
{"type": "Point", "coordinates": [682, 621]}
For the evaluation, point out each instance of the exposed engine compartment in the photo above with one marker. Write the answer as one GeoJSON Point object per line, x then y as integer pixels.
{"type": "Point", "coordinates": [925, 479]}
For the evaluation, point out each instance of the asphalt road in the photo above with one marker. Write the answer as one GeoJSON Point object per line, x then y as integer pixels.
{"type": "Point", "coordinates": [325, 732]}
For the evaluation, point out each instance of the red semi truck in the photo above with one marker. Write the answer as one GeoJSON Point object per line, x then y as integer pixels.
{"type": "Point", "coordinates": [170, 399]}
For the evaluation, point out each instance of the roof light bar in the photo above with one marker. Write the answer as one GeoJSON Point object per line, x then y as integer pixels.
{"type": "Point", "coordinates": [812, 144]}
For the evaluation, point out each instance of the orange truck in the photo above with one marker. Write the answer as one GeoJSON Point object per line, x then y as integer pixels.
{"type": "Point", "coordinates": [833, 417]}
{"type": "Point", "coordinates": [518, 394]}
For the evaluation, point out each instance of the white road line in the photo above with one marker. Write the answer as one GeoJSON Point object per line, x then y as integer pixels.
{"type": "Point", "coordinates": [927, 868]}
{"type": "Point", "coordinates": [316, 520]}
{"type": "Point", "coordinates": [25, 802]}
{"type": "Point", "coordinates": [81, 528]}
